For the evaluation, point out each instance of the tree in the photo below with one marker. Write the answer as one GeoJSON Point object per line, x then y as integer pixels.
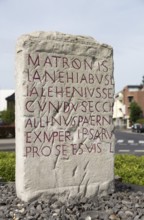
{"type": "Point", "coordinates": [135, 112]}
{"type": "Point", "coordinates": [8, 116]}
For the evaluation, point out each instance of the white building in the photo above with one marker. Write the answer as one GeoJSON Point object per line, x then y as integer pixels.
{"type": "Point", "coordinates": [3, 95]}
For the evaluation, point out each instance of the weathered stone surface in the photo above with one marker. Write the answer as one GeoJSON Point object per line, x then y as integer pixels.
{"type": "Point", "coordinates": [64, 101]}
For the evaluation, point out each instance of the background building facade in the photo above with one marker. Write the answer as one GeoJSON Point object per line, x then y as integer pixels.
{"type": "Point", "coordinates": [123, 99]}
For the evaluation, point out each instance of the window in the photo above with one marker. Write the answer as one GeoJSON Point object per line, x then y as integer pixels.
{"type": "Point", "coordinates": [130, 99]}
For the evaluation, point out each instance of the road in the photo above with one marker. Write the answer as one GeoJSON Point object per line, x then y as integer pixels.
{"type": "Point", "coordinates": [127, 142]}
{"type": "Point", "coordinates": [7, 144]}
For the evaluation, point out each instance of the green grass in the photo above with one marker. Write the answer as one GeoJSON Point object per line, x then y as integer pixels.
{"type": "Point", "coordinates": [129, 167]}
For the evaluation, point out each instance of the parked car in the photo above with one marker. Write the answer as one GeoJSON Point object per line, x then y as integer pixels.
{"type": "Point", "coordinates": [2, 122]}
{"type": "Point", "coordinates": [139, 128]}
{"type": "Point", "coordinates": [135, 127]}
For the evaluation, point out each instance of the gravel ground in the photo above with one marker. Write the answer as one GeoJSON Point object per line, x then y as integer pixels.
{"type": "Point", "coordinates": [127, 203]}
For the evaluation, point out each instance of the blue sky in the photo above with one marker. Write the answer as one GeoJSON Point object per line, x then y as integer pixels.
{"type": "Point", "coordinates": [119, 23]}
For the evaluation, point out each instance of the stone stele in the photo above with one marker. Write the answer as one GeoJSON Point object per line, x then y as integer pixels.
{"type": "Point", "coordinates": [64, 103]}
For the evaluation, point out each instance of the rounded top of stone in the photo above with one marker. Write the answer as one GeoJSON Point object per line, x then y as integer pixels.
{"type": "Point", "coordinates": [58, 36]}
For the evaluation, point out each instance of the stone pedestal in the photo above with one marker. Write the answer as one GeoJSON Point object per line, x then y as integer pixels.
{"type": "Point", "coordinates": [64, 102]}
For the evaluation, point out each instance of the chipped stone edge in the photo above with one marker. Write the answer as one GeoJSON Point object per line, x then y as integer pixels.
{"type": "Point", "coordinates": [58, 36]}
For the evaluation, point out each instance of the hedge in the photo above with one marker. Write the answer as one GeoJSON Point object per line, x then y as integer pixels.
{"type": "Point", "coordinates": [129, 167]}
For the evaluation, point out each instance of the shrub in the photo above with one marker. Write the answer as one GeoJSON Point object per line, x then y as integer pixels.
{"type": "Point", "coordinates": [130, 168]}
{"type": "Point", "coordinates": [7, 166]}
